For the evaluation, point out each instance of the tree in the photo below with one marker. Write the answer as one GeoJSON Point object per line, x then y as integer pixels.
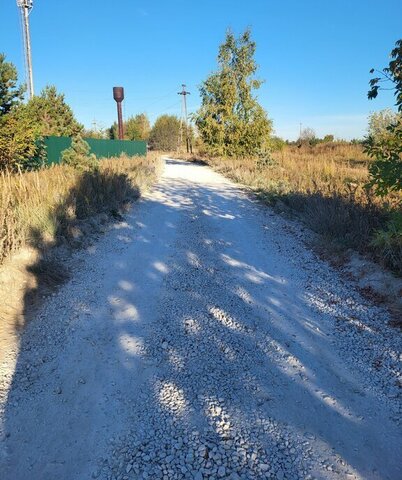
{"type": "Point", "coordinates": [165, 133]}
{"type": "Point", "coordinates": [307, 136]}
{"type": "Point", "coordinates": [10, 94]}
{"type": "Point", "coordinates": [328, 138]}
{"type": "Point", "coordinates": [135, 128]}
{"type": "Point", "coordinates": [78, 155]}
{"type": "Point", "coordinates": [386, 170]}
{"type": "Point", "coordinates": [379, 122]}
{"type": "Point", "coordinates": [230, 121]}
{"type": "Point", "coordinates": [18, 144]}
{"type": "Point", "coordinates": [99, 133]}
{"type": "Point", "coordinates": [52, 115]}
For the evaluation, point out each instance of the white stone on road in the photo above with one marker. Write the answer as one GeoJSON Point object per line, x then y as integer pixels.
{"type": "Point", "coordinates": [201, 339]}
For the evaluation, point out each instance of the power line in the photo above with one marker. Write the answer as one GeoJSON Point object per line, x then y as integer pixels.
{"type": "Point", "coordinates": [25, 7]}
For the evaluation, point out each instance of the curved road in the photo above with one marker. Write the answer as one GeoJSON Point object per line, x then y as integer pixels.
{"type": "Point", "coordinates": [199, 339]}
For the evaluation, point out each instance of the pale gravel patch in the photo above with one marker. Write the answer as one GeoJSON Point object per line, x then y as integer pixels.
{"type": "Point", "coordinates": [202, 339]}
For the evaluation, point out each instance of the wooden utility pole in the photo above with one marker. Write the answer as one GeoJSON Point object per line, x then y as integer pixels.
{"type": "Point", "coordinates": [184, 94]}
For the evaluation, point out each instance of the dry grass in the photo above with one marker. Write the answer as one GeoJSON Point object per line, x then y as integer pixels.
{"type": "Point", "coordinates": [324, 185]}
{"type": "Point", "coordinates": [42, 207]}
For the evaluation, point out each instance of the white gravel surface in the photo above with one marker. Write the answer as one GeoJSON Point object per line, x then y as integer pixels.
{"type": "Point", "coordinates": [200, 339]}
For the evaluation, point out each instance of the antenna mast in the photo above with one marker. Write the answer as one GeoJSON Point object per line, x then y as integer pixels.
{"type": "Point", "coordinates": [25, 7]}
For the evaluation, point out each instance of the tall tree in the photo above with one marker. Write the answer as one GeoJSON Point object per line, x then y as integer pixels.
{"type": "Point", "coordinates": [10, 93]}
{"type": "Point", "coordinates": [230, 120]}
{"type": "Point", "coordinates": [135, 128]}
{"type": "Point", "coordinates": [165, 133]}
{"type": "Point", "coordinates": [52, 115]}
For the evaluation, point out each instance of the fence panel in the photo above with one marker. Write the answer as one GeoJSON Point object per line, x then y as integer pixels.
{"type": "Point", "coordinates": [100, 147]}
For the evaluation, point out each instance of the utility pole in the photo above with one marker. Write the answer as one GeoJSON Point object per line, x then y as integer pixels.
{"type": "Point", "coordinates": [184, 94]}
{"type": "Point", "coordinates": [25, 7]}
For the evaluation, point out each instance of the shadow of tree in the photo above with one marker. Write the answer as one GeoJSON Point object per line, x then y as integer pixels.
{"type": "Point", "coordinates": [199, 350]}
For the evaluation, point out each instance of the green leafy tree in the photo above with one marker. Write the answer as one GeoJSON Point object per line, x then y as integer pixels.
{"type": "Point", "coordinates": [328, 138]}
{"type": "Point", "coordinates": [379, 122]}
{"type": "Point", "coordinates": [230, 121]}
{"type": "Point", "coordinates": [78, 155]}
{"type": "Point", "coordinates": [10, 94]}
{"type": "Point", "coordinates": [135, 128]}
{"type": "Point", "coordinates": [386, 170]}
{"type": "Point", "coordinates": [52, 115]}
{"type": "Point", "coordinates": [165, 133]}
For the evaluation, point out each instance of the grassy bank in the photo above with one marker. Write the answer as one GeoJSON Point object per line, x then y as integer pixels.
{"type": "Point", "coordinates": [44, 207]}
{"type": "Point", "coordinates": [324, 186]}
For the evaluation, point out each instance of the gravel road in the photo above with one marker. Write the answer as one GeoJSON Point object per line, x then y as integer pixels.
{"type": "Point", "coordinates": [201, 339]}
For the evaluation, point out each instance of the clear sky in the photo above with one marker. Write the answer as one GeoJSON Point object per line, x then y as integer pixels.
{"type": "Point", "coordinates": [315, 55]}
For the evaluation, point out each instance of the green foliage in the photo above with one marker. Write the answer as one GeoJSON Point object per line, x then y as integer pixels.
{"type": "Point", "coordinates": [51, 114]}
{"type": "Point", "coordinates": [17, 140]}
{"type": "Point", "coordinates": [277, 144]}
{"type": "Point", "coordinates": [78, 155]}
{"type": "Point", "coordinates": [379, 123]}
{"type": "Point", "coordinates": [386, 148]}
{"type": "Point", "coordinates": [230, 121]}
{"type": "Point", "coordinates": [99, 133]}
{"type": "Point", "coordinates": [165, 133]}
{"type": "Point", "coordinates": [389, 242]}
{"type": "Point", "coordinates": [386, 170]}
{"type": "Point", "coordinates": [392, 73]}
{"type": "Point", "coordinates": [135, 128]}
{"type": "Point", "coordinates": [10, 94]}
{"type": "Point", "coordinates": [328, 139]}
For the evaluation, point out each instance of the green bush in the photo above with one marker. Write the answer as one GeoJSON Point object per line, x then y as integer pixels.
{"type": "Point", "coordinates": [17, 140]}
{"type": "Point", "coordinates": [78, 156]}
{"type": "Point", "coordinates": [389, 242]}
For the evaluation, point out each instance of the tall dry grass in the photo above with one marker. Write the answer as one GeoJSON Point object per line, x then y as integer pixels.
{"type": "Point", "coordinates": [325, 186]}
{"type": "Point", "coordinates": [42, 207]}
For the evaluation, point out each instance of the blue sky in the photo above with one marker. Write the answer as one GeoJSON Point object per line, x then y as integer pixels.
{"type": "Point", "coordinates": [315, 56]}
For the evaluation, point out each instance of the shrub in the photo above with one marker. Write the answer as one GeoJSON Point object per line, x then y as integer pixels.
{"type": "Point", "coordinates": [78, 155]}
{"type": "Point", "coordinates": [17, 140]}
{"type": "Point", "coordinates": [389, 241]}
{"type": "Point", "coordinates": [386, 149]}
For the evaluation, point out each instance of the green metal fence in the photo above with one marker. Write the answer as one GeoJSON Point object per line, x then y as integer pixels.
{"type": "Point", "coordinates": [101, 148]}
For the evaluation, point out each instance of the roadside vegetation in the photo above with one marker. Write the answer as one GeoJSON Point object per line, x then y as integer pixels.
{"type": "Point", "coordinates": [41, 205]}
{"type": "Point", "coordinates": [325, 186]}
{"type": "Point", "coordinates": [348, 192]}
{"type": "Point", "coordinates": [48, 206]}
